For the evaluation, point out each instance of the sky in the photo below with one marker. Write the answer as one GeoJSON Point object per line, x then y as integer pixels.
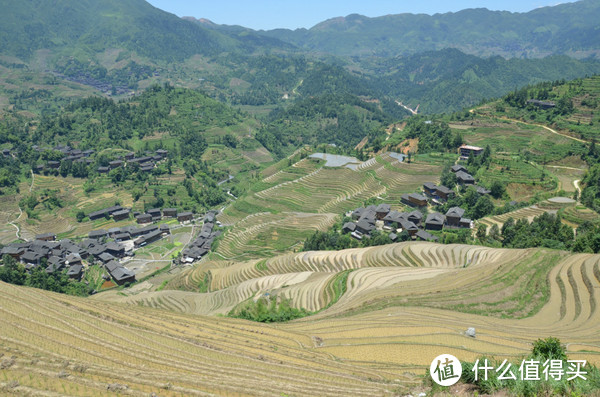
{"type": "Point", "coordinates": [292, 14]}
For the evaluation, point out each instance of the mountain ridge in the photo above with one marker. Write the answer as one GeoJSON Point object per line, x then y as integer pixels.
{"type": "Point", "coordinates": [529, 35]}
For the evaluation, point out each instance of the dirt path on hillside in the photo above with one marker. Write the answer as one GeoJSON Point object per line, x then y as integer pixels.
{"type": "Point", "coordinates": [546, 128]}
{"type": "Point", "coordinates": [18, 232]}
{"type": "Point", "coordinates": [577, 187]}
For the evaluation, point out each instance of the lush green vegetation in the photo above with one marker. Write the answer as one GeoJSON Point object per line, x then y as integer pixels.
{"type": "Point", "coordinates": [340, 119]}
{"type": "Point", "coordinates": [478, 31]}
{"type": "Point", "coordinates": [269, 309]}
{"type": "Point", "coordinates": [434, 136]}
{"type": "Point", "coordinates": [543, 351]}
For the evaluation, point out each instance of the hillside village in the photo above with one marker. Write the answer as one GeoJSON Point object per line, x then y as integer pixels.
{"type": "Point", "coordinates": [113, 247]}
{"type": "Point", "coordinates": [67, 156]}
{"type": "Point", "coordinates": [382, 218]}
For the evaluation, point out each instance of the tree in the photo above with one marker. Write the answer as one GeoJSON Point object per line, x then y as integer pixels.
{"type": "Point", "coordinates": [481, 232]}
{"type": "Point", "coordinates": [12, 272]}
{"type": "Point", "coordinates": [497, 190]}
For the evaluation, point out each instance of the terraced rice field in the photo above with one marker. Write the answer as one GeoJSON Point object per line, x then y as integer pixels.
{"type": "Point", "coordinates": [60, 345]}
{"type": "Point", "coordinates": [578, 214]}
{"type": "Point", "coordinates": [61, 220]}
{"type": "Point", "coordinates": [277, 218]}
{"type": "Point", "coordinates": [404, 304]}
{"type": "Point", "coordinates": [266, 234]}
{"type": "Point", "coordinates": [529, 212]}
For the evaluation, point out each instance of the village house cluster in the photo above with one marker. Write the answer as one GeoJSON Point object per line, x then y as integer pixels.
{"type": "Point", "coordinates": [68, 255]}
{"type": "Point", "coordinates": [201, 245]}
{"type": "Point", "coordinates": [146, 163]}
{"type": "Point", "coordinates": [381, 217]}
{"type": "Point", "coordinates": [119, 213]}
{"type": "Point", "coordinates": [107, 247]}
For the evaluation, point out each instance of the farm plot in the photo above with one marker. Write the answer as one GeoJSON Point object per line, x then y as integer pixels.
{"type": "Point", "coordinates": [265, 234]}
{"type": "Point", "coordinates": [407, 322]}
{"type": "Point", "coordinates": [551, 206]}
{"type": "Point", "coordinates": [331, 190]}
{"type": "Point", "coordinates": [400, 178]}
{"type": "Point", "coordinates": [63, 345]}
{"type": "Point", "coordinates": [324, 190]}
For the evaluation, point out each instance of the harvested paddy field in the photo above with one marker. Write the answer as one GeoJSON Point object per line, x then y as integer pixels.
{"type": "Point", "coordinates": [403, 304]}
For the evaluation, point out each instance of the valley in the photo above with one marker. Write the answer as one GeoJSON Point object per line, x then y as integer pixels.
{"type": "Point", "coordinates": [189, 208]}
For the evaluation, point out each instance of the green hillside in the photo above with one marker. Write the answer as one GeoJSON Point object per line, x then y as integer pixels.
{"type": "Point", "coordinates": [89, 27]}
{"type": "Point", "coordinates": [449, 80]}
{"type": "Point", "coordinates": [569, 28]}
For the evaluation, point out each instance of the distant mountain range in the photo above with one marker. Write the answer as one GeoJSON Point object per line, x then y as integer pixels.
{"type": "Point", "coordinates": [443, 62]}
{"type": "Point", "coordinates": [570, 29]}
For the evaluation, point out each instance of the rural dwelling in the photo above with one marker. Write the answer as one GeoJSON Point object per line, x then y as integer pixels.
{"type": "Point", "coordinates": [155, 214]}
{"type": "Point", "coordinates": [393, 217]}
{"type": "Point", "coordinates": [73, 259]}
{"type": "Point", "coordinates": [75, 272]}
{"type": "Point", "coordinates": [467, 150]}
{"type": "Point", "coordinates": [185, 216]}
{"type": "Point", "coordinates": [97, 234]}
{"type": "Point", "coordinates": [46, 237]}
{"type": "Point", "coordinates": [124, 236]}
{"type": "Point", "coordinates": [103, 170]}
{"type": "Point", "coordinates": [357, 213]}
{"type": "Point", "coordinates": [364, 226]}
{"type": "Point", "coordinates": [170, 212]}
{"type": "Point", "coordinates": [457, 167]}
{"type": "Point", "coordinates": [143, 218]}
{"type": "Point", "coordinates": [483, 191]}
{"type": "Point", "coordinates": [429, 188]}
{"type": "Point", "coordinates": [115, 249]}
{"type": "Point", "coordinates": [349, 227]}
{"type": "Point", "coordinates": [466, 223]}
{"type": "Point", "coordinates": [121, 215]}
{"type": "Point", "coordinates": [115, 164]}
{"type": "Point", "coordinates": [541, 104]}
{"type": "Point", "coordinates": [382, 210]}
{"type": "Point", "coordinates": [409, 227]}
{"type": "Point", "coordinates": [14, 251]}
{"type": "Point", "coordinates": [105, 257]}
{"type": "Point", "coordinates": [415, 217]}
{"type": "Point", "coordinates": [414, 199]}
{"type": "Point", "coordinates": [434, 221]}
{"type": "Point", "coordinates": [164, 229]}
{"type": "Point", "coordinates": [103, 213]}
{"type": "Point", "coordinates": [113, 231]}
{"type": "Point", "coordinates": [55, 267]}
{"type": "Point", "coordinates": [425, 236]}
{"type": "Point", "coordinates": [453, 216]}
{"type": "Point", "coordinates": [120, 274]}
{"type": "Point", "coordinates": [464, 179]}
{"type": "Point", "coordinates": [443, 193]}
{"type": "Point", "coordinates": [148, 238]}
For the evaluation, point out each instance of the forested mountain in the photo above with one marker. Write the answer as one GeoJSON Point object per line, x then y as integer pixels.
{"type": "Point", "coordinates": [570, 28]}
{"type": "Point", "coordinates": [118, 47]}
{"type": "Point", "coordinates": [89, 27]}
{"type": "Point", "coordinates": [447, 80]}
